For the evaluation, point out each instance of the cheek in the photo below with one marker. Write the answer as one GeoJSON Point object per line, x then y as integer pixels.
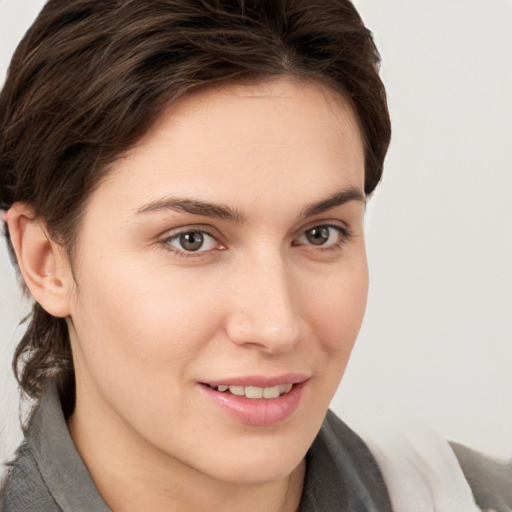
{"type": "Point", "coordinates": [139, 336]}
{"type": "Point", "coordinates": [337, 304]}
{"type": "Point", "coordinates": [134, 321]}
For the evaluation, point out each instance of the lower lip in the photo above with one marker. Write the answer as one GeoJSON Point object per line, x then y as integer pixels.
{"type": "Point", "coordinates": [258, 411]}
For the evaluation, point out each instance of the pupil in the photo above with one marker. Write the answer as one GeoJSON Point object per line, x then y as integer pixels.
{"type": "Point", "coordinates": [318, 236]}
{"type": "Point", "coordinates": [192, 241]}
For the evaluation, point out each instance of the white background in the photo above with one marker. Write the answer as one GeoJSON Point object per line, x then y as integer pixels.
{"type": "Point", "coordinates": [437, 339]}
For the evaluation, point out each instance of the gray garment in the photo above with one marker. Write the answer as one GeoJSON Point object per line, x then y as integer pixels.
{"type": "Point", "coordinates": [48, 474]}
{"type": "Point", "coordinates": [490, 480]}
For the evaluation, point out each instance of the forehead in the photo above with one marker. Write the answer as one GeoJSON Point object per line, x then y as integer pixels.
{"type": "Point", "coordinates": [223, 142]}
{"type": "Point", "coordinates": [251, 112]}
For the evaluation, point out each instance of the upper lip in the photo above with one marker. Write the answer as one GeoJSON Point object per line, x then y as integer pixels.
{"type": "Point", "coordinates": [259, 381]}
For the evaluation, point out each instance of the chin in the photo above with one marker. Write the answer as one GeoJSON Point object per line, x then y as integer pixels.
{"type": "Point", "coordinates": [260, 470]}
{"type": "Point", "coordinates": [259, 460]}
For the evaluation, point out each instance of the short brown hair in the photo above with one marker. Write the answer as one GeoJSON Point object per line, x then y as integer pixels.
{"type": "Point", "coordinates": [91, 76]}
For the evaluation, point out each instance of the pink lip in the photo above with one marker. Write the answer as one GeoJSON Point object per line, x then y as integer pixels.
{"type": "Point", "coordinates": [260, 411]}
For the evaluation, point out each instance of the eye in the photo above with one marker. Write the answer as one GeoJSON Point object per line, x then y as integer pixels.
{"type": "Point", "coordinates": [192, 241]}
{"type": "Point", "coordinates": [323, 235]}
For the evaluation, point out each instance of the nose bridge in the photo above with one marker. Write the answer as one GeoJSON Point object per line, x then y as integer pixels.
{"type": "Point", "coordinates": [263, 311]}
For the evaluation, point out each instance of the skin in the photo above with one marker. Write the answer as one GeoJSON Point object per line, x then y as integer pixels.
{"type": "Point", "coordinates": [150, 321]}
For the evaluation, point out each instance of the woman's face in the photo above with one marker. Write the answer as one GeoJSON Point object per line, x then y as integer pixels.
{"type": "Point", "coordinates": [225, 250]}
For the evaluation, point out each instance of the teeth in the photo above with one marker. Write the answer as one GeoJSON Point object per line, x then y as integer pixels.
{"type": "Point", "coordinates": [237, 390]}
{"type": "Point", "coordinates": [253, 392]}
{"type": "Point", "coordinates": [271, 392]}
{"type": "Point", "coordinates": [285, 388]}
{"type": "Point", "coordinates": [256, 392]}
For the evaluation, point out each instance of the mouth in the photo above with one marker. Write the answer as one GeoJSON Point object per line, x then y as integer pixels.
{"type": "Point", "coordinates": [258, 401]}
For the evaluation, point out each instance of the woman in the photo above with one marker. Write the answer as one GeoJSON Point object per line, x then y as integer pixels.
{"type": "Point", "coordinates": [184, 186]}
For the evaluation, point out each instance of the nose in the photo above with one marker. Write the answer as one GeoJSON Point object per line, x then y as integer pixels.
{"type": "Point", "coordinates": [263, 314]}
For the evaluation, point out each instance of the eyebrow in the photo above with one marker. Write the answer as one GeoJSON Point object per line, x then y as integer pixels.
{"type": "Point", "coordinates": [195, 207]}
{"type": "Point", "coordinates": [223, 212]}
{"type": "Point", "coordinates": [337, 199]}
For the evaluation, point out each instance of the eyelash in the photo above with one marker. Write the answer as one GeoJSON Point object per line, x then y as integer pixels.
{"type": "Point", "coordinates": [343, 233]}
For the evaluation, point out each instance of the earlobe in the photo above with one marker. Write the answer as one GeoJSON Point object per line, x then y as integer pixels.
{"type": "Point", "coordinates": [42, 262]}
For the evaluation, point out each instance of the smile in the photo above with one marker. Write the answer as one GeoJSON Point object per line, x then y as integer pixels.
{"type": "Point", "coordinates": [255, 392]}
{"type": "Point", "coordinates": [258, 401]}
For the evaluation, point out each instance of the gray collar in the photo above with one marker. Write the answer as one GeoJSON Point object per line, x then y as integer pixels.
{"type": "Point", "coordinates": [58, 460]}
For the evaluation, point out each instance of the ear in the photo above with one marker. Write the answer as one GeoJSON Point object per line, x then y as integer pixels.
{"type": "Point", "coordinates": [42, 262]}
